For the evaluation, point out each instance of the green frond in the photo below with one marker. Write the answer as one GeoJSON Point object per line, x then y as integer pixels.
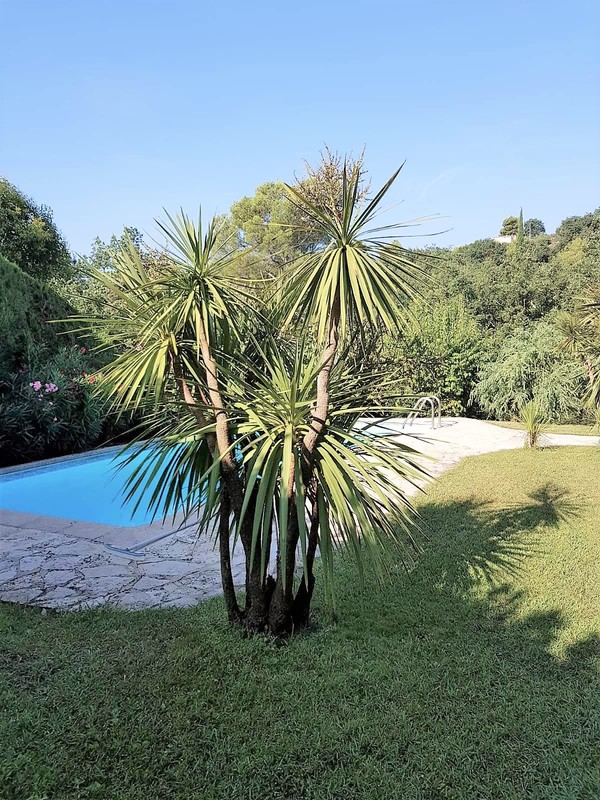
{"type": "Point", "coordinates": [363, 473]}
{"type": "Point", "coordinates": [371, 280]}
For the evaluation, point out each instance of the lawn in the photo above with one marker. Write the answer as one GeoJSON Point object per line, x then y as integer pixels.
{"type": "Point", "coordinates": [578, 430]}
{"type": "Point", "coordinates": [475, 677]}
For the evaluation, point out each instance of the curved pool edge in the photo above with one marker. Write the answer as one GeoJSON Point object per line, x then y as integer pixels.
{"type": "Point", "coordinates": [47, 463]}
{"type": "Point", "coordinates": [119, 535]}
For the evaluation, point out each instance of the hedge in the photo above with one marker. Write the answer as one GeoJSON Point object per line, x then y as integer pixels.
{"type": "Point", "coordinates": [26, 308]}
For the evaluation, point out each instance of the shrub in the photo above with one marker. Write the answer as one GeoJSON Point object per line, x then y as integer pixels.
{"type": "Point", "coordinates": [49, 409]}
{"type": "Point", "coordinates": [35, 423]}
{"type": "Point", "coordinates": [438, 353]}
{"type": "Point", "coordinates": [529, 364]}
{"type": "Point", "coordinates": [534, 422]}
{"type": "Point", "coordinates": [26, 307]}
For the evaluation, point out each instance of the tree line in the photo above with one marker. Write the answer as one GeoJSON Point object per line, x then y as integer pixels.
{"type": "Point", "coordinates": [495, 325]}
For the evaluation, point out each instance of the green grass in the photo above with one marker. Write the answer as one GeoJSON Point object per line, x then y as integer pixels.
{"type": "Point", "coordinates": [578, 430]}
{"type": "Point", "coordinates": [475, 677]}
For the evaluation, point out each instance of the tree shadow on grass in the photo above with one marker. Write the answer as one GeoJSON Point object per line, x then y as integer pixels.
{"type": "Point", "coordinates": [472, 541]}
{"type": "Point", "coordinates": [437, 687]}
{"type": "Point", "coordinates": [519, 720]}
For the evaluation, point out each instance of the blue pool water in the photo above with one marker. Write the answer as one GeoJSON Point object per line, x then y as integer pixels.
{"type": "Point", "coordinates": [89, 489]}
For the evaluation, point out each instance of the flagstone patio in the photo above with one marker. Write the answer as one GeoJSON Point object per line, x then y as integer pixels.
{"type": "Point", "coordinates": [52, 563]}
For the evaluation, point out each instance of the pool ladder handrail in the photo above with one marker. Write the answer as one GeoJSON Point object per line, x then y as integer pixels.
{"type": "Point", "coordinates": [436, 407]}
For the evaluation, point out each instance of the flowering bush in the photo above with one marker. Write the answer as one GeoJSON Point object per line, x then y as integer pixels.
{"type": "Point", "coordinates": [48, 387]}
{"type": "Point", "coordinates": [49, 408]}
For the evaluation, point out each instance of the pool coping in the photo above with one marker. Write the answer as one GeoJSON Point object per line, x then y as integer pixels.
{"type": "Point", "coordinates": [119, 535]}
{"type": "Point", "coordinates": [41, 464]}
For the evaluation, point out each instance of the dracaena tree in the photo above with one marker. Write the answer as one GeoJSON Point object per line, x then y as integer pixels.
{"type": "Point", "coordinates": [584, 339]}
{"type": "Point", "coordinates": [255, 422]}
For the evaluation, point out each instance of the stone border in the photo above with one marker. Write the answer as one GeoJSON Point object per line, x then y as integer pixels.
{"type": "Point", "coordinates": [39, 466]}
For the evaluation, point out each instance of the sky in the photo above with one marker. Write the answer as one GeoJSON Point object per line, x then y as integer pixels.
{"type": "Point", "coordinates": [111, 110]}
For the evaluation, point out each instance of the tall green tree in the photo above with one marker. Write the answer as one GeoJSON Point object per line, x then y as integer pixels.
{"type": "Point", "coordinates": [534, 227]}
{"type": "Point", "coordinates": [278, 227]}
{"type": "Point", "coordinates": [510, 227]}
{"type": "Point", "coordinates": [268, 444]}
{"type": "Point", "coordinates": [267, 223]}
{"type": "Point", "coordinates": [529, 365]}
{"type": "Point", "coordinates": [520, 233]}
{"type": "Point", "coordinates": [29, 237]}
{"type": "Point", "coordinates": [572, 227]}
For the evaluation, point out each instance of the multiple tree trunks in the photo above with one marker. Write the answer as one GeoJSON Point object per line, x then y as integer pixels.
{"type": "Point", "coordinates": [271, 604]}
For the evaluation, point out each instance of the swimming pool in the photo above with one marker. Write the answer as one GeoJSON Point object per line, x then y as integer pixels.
{"type": "Point", "coordinates": [88, 488]}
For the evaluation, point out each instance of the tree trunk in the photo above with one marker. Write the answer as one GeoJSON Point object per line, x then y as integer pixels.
{"type": "Point", "coordinates": [201, 416]}
{"type": "Point", "coordinates": [281, 622]}
{"type": "Point", "coordinates": [321, 409]}
{"type": "Point", "coordinates": [270, 605]}
{"type": "Point", "coordinates": [286, 611]}
{"type": "Point", "coordinates": [302, 601]}
{"type": "Point", "coordinates": [233, 610]}
{"type": "Point", "coordinates": [257, 592]}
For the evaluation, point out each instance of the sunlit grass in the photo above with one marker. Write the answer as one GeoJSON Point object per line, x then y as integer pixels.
{"type": "Point", "coordinates": [474, 677]}
{"type": "Point", "coordinates": [577, 430]}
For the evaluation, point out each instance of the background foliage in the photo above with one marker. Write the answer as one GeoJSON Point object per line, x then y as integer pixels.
{"type": "Point", "coordinates": [26, 307]}
{"type": "Point", "coordinates": [437, 353]}
{"type": "Point", "coordinates": [479, 315]}
{"type": "Point", "coordinates": [28, 235]}
{"type": "Point", "coordinates": [531, 366]}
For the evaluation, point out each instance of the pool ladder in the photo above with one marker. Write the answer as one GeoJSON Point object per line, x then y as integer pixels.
{"type": "Point", "coordinates": [436, 408]}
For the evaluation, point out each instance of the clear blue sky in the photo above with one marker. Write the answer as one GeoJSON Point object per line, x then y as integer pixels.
{"type": "Point", "coordinates": [112, 109]}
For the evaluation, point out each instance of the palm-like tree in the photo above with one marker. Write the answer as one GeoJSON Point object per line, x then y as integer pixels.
{"type": "Point", "coordinates": [581, 338]}
{"type": "Point", "coordinates": [589, 312]}
{"type": "Point", "coordinates": [266, 444]}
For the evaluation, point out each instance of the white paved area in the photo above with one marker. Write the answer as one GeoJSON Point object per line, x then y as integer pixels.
{"type": "Point", "coordinates": [59, 569]}
{"type": "Point", "coordinates": [459, 437]}
{"type": "Point", "coordinates": [63, 564]}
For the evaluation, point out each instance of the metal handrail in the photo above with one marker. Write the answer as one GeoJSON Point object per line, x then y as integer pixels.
{"type": "Point", "coordinates": [434, 402]}
{"type": "Point", "coordinates": [437, 400]}
{"type": "Point", "coordinates": [418, 407]}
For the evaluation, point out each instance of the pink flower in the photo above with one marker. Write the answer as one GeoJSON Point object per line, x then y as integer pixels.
{"type": "Point", "coordinates": [83, 350]}
{"type": "Point", "coordinates": [36, 386]}
{"type": "Point", "coordinates": [50, 387]}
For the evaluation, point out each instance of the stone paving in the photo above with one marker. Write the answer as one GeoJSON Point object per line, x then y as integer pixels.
{"type": "Point", "coordinates": [55, 569]}
{"type": "Point", "coordinates": [64, 564]}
